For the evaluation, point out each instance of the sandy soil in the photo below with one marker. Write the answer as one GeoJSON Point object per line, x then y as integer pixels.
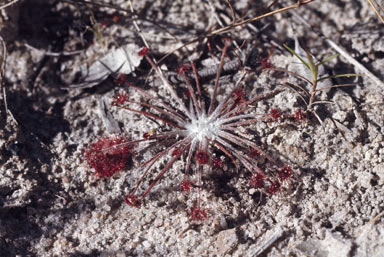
{"type": "Point", "coordinates": [52, 204]}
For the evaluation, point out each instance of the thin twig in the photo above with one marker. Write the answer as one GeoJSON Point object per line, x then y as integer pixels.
{"type": "Point", "coordinates": [137, 26]}
{"type": "Point", "coordinates": [232, 26]}
{"type": "Point", "coordinates": [8, 4]}
{"type": "Point", "coordinates": [232, 11]}
{"type": "Point", "coordinates": [48, 53]}
{"type": "Point", "coordinates": [376, 11]}
{"type": "Point", "coordinates": [376, 218]}
{"type": "Point", "coordinates": [2, 74]}
{"type": "Point", "coordinates": [95, 3]}
{"type": "Point", "coordinates": [215, 14]}
{"type": "Point", "coordinates": [370, 223]}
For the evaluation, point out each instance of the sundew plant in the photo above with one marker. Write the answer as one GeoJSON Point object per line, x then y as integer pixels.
{"type": "Point", "coordinates": [201, 131]}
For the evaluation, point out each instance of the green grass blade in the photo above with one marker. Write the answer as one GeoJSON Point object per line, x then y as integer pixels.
{"type": "Point", "coordinates": [329, 58]}
{"type": "Point", "coordinates": [340, 76]}
{"type": "Point", "coordinates": [312, 67]}
{"type": "Point", "coordinates": [298, 56]}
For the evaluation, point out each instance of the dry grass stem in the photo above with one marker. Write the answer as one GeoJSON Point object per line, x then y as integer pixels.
{"type": "Point", "coordinates": [375, 9]}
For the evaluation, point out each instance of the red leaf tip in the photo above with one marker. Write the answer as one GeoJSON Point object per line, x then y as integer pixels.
{"type": "Point", "coordinates": [132, 200]}
{"type": "Point", "coordinates": [275, 114]}
{"type": "Point", "coordinates": [144, 51]}
{"type": "Point", "coordinates": [198, 214]}
{"type": "Point", "coordinates": [108, 155]}
{"type": "Point", "coordinates": [202, 157]}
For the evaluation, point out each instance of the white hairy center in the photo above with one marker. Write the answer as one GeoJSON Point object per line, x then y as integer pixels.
{"type": "Point", "coordinates": [201, 128]}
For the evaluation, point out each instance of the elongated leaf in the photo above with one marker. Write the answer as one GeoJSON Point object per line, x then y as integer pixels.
{"type": "Point", "coordinates": [340, 76]}
{"type": "Point", "coordinates": [298, 56]}
{"type": "Point", "coordinates": [335, 86]}
{"type": "Point", "coordinates": [313, 68]}
{"type": "Point", "coordinates": [329, 58]}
